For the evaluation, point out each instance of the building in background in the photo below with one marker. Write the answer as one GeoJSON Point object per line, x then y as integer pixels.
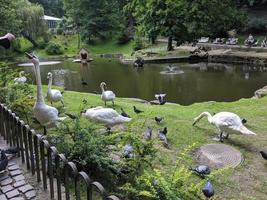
{"type": "Point", "coordinates": [52, 22]}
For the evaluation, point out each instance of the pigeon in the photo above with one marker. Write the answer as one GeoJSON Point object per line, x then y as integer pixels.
{"type": "Point", "coordinates": [158, 119]}
{"type": "Point", "coordinates": [162, 135]}
{"type": "Point", "coordinates": [161, 98]}
{"type": "Point", "coordinates": [124, 114]}
{"type": "Point", "coordinates": [148, 134]}
{"type": "Point", "coordinates": [263, 154]}
{"type": "Point", "coordinates": [128, 151]}
{"type": "Point", "coordinates": [201, 170]}
{"type": "Point", "coordinates": [208, 190]}
{"type": "Point", "coordinates": [137, 111]}
{"type": "Point", "coordinates": [3, 161]}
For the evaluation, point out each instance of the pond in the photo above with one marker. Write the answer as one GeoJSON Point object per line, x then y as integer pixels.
{"type": "Point", "coordinates": [193, 82]}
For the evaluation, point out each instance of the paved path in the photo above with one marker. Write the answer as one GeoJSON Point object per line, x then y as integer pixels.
{"type": "Point", "coordinates": [16, 183]}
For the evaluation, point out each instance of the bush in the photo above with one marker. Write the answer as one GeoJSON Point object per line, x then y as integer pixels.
{"type": "Point", "coordinates": [53, 49]}
{"type": "Point", "coordinates": [124, 38]}
{"type": "Point", "coordinates": [138, 44]}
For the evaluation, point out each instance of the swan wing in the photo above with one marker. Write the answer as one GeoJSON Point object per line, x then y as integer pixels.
{"type": "Point", "coordinates": [56, 93]}
{"type": "Point", "coordinates": [226, 119]}
{"type": "Point", "coordinates": [108, 95]}
{"type": "Point", "coordinates": [45, 114]}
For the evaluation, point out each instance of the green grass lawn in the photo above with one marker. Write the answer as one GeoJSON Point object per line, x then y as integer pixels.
{"type": "Point", "coordinates": [69, 45]}
{"type": "Point", "coordinates": [246, 182]}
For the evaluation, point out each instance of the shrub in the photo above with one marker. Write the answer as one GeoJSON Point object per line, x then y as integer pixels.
{"type": "Point", "coordinates": [124, 38]}
{"type": "Point", "coordinates": [138, 44]}
{"type": "Point", "coordinates": [53, 49]}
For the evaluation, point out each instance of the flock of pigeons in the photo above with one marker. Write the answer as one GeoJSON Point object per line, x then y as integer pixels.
{"type": "Point", "coordinates": [226, 122]}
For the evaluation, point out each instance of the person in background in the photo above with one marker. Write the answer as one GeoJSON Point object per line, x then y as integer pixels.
{"type": "Point", "coordinates": [264, 42]}
{"type": "Point", "coordinates": [5, 41]}
{"type": "Point", "coordinates": [251, 41]}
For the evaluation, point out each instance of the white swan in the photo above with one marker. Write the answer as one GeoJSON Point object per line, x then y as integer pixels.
{"type": "Point", "coordinates": [52, 94]}
{"type": "Point", "coordinates": [107, 95]}
{"type": "Point", "coordinates": [107, 116]}
{"type": "Point", "coordinates": [45, 115]}
{"type": "Point", "coordinates": [22, 79]}
{"type": "Point", "coordinates": [226, 122]}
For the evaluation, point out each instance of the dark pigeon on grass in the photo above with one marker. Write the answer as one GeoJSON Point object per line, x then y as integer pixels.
{"type": "Point", "coordinates": [163, 136]}
{"type": "Point", "coordinates": [124, 114]}
{"type": "Point", "coordinates": [158, 119]}
{"type": "Point", "coordinates": [161, 98]}
{"type": "Point", "coordinates": [136, 110]}
{"type": "Point", "coordinates": [201, 170]}
{"type": "Point", "coordinates": [148, 134]}
{"type": "Point", "coordinates": [264, 155]}
{"type": "Point", "coordinates": [208, 190]}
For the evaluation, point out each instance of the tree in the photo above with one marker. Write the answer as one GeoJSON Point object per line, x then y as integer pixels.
{"type": "Point", "coordinates": [51, 7]}
{"type": "Point", "coordinates": [213, 18]}
{"type": "Point", "coordinates": [156, 18]}
{"type": "Point", "coordinates": [94, 18]}
{"type": "Point", "coordinates": [185, 20]}
{"type": "Point", "coordinates": [33, 24]}
{"type": "Point", "coordinates": [8, 15]}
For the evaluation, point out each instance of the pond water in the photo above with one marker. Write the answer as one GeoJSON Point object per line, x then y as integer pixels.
{"type": "Point", "coordinates": [193, 82]}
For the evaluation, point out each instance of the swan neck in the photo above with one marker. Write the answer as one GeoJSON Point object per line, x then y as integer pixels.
{"type": "Point", "coordinates": [49, 83]}
{"type": "Point", "coordinates": [40, 98]}
{"type": "Point", "coordinates": [102, 88]}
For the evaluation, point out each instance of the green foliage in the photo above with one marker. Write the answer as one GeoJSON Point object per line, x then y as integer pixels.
{"type": "Point", "coordinates": [18, 97]}
{"type": "Point", "coordinates": [175, 184]}
{"type": "Point", "coordinates": [9, 19]}
{"type": "Point", "coordinates": [53, 49]}
{"type": "Point", "coordinates": [33, 25]}
{"type": "Point", "coordinates": [94, 19]}
{"type": "Point", "coordinates": [51, 7]}
{"type": "Point", "coordinates": [138, 44]}
{"type": "Point", "coordinates": [184, 20]}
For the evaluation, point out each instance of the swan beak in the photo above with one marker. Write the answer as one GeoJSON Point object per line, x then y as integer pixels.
{"type": "Point", "coordinates": [83, 111]}
{"type": "Point", "coordinates": [29, 55]}
{"type": "Point", "coordinates": [194, 122]}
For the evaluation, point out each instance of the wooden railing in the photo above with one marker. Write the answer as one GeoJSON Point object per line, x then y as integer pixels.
{"type": "Point", "coordinates": [43, 160]}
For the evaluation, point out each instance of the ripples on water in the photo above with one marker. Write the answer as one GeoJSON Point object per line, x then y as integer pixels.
{"type": "Point", "coordinates": [190, 83]}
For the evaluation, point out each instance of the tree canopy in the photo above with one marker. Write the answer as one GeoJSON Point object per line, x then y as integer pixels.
{"type": "Point", "coordinates": [185, 20]}
{"type": "Point", "coordinates": [51, 7]}
{"type": "Point", "coordinates": [95, 18]}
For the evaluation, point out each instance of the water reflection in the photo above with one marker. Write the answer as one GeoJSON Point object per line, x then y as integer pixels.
{"type": "Point", "coordinates": [199, 82]}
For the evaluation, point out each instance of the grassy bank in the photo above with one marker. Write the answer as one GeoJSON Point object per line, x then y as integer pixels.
{"type": "Point", "coordinates": [246, 182]}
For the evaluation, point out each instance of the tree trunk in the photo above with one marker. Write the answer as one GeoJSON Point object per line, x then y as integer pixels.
{"type": "Point", "coordinates": [170, 47]}
{"type": "Point", "coordinates": [79, 40]}
{"type": "Point", "coordinates": [30, 39]}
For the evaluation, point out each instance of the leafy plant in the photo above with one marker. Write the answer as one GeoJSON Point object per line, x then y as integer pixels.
{"type": "Point", "coordinates": [53, 49]}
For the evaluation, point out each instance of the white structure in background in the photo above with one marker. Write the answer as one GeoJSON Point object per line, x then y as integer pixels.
{"type": "Point", "coordinates": [52, 22]}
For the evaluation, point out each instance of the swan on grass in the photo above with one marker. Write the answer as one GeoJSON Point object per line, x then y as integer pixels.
{"type": "Point", "coordinates": [46, 115]}
{"type": "Point", "coordinates": [227, 122]}
{"type": "Point", "coordinates": [52, 94]}
{"type": "Point", "coordinates": [107, 116]}
{"type": "Point", "coordinates": [107, 95]}
{"type": "Point", "coordinates": [21, 79]}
